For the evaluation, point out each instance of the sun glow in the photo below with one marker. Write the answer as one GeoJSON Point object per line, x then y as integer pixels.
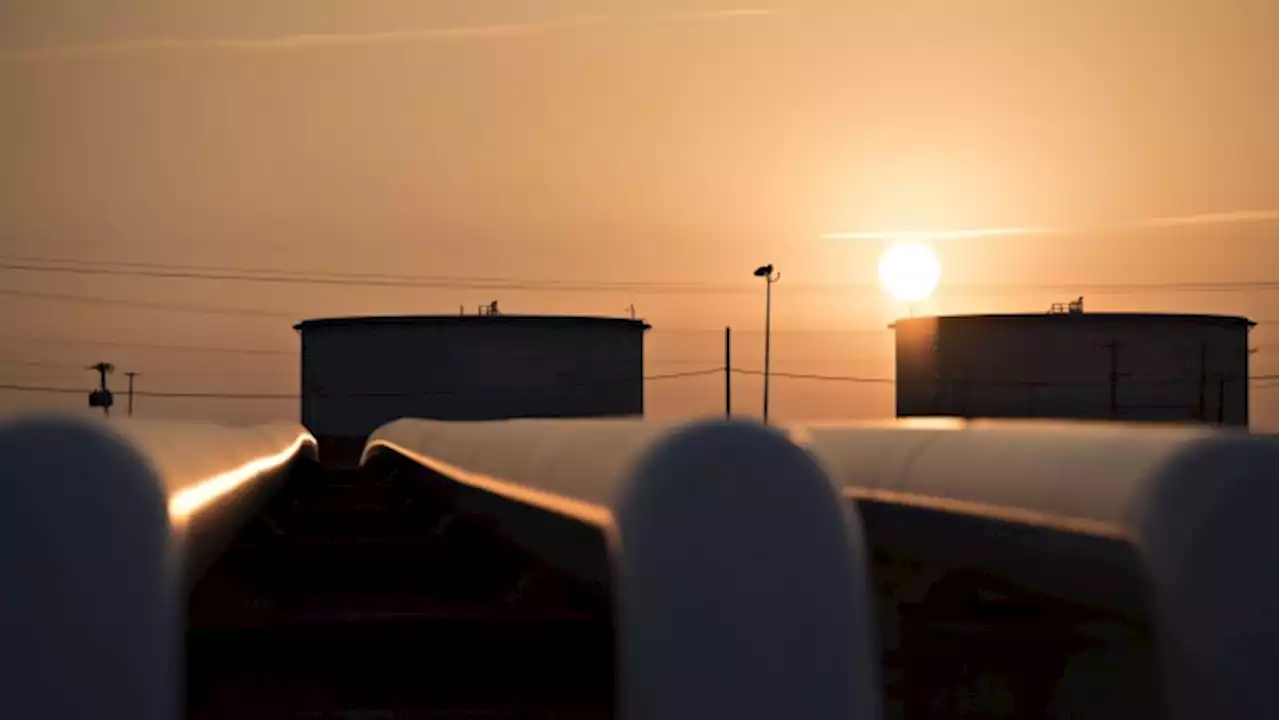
{"type": "Point", "coordinates": [909, 271]}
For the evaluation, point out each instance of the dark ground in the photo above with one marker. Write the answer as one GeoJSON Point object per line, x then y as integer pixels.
{"type": "Point", "coordinates": [358, 596]}
{"type": "Point", "coordinates": [365, 596]}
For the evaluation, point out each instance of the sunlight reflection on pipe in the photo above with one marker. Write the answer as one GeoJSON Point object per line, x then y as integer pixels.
{"type": "Point", "coordinates": [1004, 513]}
{"type": "Point", "coordinates": [586, 512]}
{"type": "Point", "coordinates": [191, 499]}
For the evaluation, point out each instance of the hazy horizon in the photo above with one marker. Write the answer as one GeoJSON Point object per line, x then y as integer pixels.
{"type": "Point", "coordinates": [1124, 152]}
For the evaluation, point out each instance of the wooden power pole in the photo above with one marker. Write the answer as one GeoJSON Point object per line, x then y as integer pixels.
{"type": "Point", "coordinates": [1202, 409]}
{"type": "Point", "coordinates": [728, 378]}
{"type": "Point", "coordinates": [131, 375]}
{"type": "Point", "coordinates": [1113, 378]}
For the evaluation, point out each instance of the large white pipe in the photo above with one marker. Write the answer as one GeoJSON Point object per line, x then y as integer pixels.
{"type": "Point", "coordinates": [1194, 505]}
{"type": "Point", "coordinates": [1079, 477]}
{"type": "Point", "coordinates": [103, 525]}
{"type": "Point", "coordinates": [215, 477]}
{"type": "Point", "coordinates": [738, 574]}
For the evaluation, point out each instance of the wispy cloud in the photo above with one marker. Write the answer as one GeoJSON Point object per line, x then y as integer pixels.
{"type": "Point", "coordinates": [1231, 217]}
{"type": "Point", "coordinates": [719, 14]}
{"type": "Point", "coordinates": [283, 42]}
{"type": "Point", "coordinates": [319, 40]}
{"type": "Point", "coordinates": [963, 234]}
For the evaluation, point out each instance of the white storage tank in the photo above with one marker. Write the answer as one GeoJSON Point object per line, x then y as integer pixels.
{"type": "Point", "coordinates": [1071, 364]}
{"type": "Point", "coordinates": [361, 372]}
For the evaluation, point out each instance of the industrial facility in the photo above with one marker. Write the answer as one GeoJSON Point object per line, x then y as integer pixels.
{"type": "Point", "coordinates": [1076, 365]}
{"type": "Point", "coordinates": [361, 372]}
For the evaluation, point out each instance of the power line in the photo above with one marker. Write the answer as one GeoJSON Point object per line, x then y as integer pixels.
{"type": "Point", "coordinates": [293, 316]}
{"type": "Point", "coordinates": [292, 353]}
{"type": "Point", "coordinates": [153, 393]}
{"type": "Point", "coordinates": [189, 373]}
{"type": "Point", "coordinates": [883, 331]}
{"type": "Point", "coordinates": [157, 271]}
{"type": "Point", "coordinates": [71, 367]}
{"type": "Point", "coordinates": [294, 396]}
{"type": "Point", "coordinates": [40, 364]}
{"type": "Point", "coordinates": [444, 282]}
{"type": "Point", "coordinates": [1267, 380]}
{"type": "Point", "coordinates": [145, 305]}
{"type": "Point", "coordinates": [324, 274]}
{"type": "Point", "coordinates": [217, 395]}
{"type": "Point", "coordinates": [1011, 383]}
{"type": "Point", "coordinates": [810, 376]}
{"type": "Point", "coordinates": [275, 315]}
{"type": "Point", "coordinates": [690, 373]}
{"type": "Point", "coordinates": [177, 270]}
{"type": "Point", "coordinates": [42, 389]}
{"type": "Point", "coordinates": [148, 346]}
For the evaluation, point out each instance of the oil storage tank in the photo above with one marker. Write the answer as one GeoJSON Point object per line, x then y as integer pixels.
{"type": "Point", "coordinates": [361, 372]}
{"type": "Point", "coordinates": [1075, 365]}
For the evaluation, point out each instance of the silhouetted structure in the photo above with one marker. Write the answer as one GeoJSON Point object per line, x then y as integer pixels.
{"type": "Point", "coordinates": [102, 397]}
{"type": "Point", "coordinates": [770, 277]}
{"type": "Point", "coordinates": [361, 372]}
{"type": "Point", "coordinates": [131, 375]}
{"type": "Point", "coordinates": [1072, 364]}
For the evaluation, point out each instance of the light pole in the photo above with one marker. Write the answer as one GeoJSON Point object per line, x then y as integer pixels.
{"type": "Point", "coordinates": [770, 277]}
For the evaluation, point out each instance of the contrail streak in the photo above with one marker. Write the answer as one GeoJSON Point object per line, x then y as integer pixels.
{"type": "Point", "coordinates": [1231, 217]}
{"type": "Point", "coordinates": [267, 44]}
{"type": "Point", "coordinates": [919, 235]}
{"type": "Point", "coordinates": [719, 14]}
{"type": "Point", "coordinates": [320, 40]}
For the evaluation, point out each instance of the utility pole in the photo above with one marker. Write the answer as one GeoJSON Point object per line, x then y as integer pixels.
{"type": "Point", "coordinates": [1113, 377]}
{"type": "Point", "coordinates": [1202, 410]}
{"type": "Point", "coordinates": [131, 375]}
{"type": "Point", "coordinates": [728, 378]}
{"type": "Point", "coordinates": [1222, 400]}
{"type": "Point", "coordinates": [768, 319]}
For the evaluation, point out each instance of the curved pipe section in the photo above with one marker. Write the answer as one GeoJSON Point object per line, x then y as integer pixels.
{"type": "Point", "coordinates": [103, 526]}
{"type": "Point", "coordinates": [738, 575]}
{"type": "Point", "coordinates": [1005, 498]}
{"type": "Point", "coordinates": [1184, 513]}
{"type": "Point", "coordinates": [215, 477]}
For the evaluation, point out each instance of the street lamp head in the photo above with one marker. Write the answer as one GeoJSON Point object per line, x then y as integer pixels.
{"type": "Point", "coordinates": [764, 271]}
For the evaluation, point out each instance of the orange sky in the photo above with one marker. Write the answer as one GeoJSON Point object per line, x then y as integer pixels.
{"type": "Point", "coordinates": [672, 141]}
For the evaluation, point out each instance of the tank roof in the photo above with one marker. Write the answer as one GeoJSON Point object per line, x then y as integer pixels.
{"type": "Point", "coordinates": [543, 321]}
{"type": "Point", "coordinates": [1086, 317]}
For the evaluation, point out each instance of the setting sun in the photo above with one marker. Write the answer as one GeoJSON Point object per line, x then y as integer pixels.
{"type": "Point", "coordinates": [909, 271]}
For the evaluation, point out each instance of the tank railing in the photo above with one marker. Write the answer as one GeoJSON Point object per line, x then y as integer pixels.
{"type": "Point", "coordinates": [738, 576]}
{"type": "Point", "coordinates": [103, 528]}
{"type": "Point", "coordinates": [1193, 509]}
